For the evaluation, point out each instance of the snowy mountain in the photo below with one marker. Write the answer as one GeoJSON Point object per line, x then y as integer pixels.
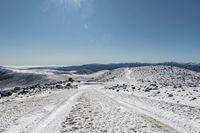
{"type": "Point", "coordinates": [91, 68]}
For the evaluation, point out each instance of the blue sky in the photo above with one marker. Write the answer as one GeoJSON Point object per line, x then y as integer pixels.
{"type": "Point", "coordinates": [70, 32]}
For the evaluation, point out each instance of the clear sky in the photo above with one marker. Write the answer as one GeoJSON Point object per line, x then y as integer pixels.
{"type": "Point", "coordinates": [69, 32]}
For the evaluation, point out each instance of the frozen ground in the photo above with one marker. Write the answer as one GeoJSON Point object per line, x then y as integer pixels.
{"type": "Point", "coordinates": [183, 118]}
{"type": "Point", "coordinates": [29, 113]}
{"type": "Point", "coordinates": [94, 109]}
{"type": "Point", "coordinates": [97, 112]}
{"type": "Point", "coordinates": [169, 84]}
{"type": "Point", "coordinates": [144, 99]}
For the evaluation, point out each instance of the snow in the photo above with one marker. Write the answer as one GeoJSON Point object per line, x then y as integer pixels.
{"type": "Point", "coordinates": [153, 99]}
{"type": "Point", "coordinates": [23, 114]}
{"type": "Point", "coordinates": [181, 117]}
{"type": "Point", "coordinates": [96, 112]}
{"type": "Point", "coordinates": [168, 84]}
{"type": "Point", "coordinates": [52, 121]}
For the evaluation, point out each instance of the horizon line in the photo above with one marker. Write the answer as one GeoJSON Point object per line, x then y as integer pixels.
{"type": "Point", "coordinates": [32, 66]}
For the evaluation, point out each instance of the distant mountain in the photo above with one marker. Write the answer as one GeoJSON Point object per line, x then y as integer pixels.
{"type": "Point", "coordinates": [10, 77]}
{"type": "Point", "coordinates": [190, 66]}
{"type": "Point", "coordinates": [4, 71]}
{"type": "Point", "coordinates": [90, 68]}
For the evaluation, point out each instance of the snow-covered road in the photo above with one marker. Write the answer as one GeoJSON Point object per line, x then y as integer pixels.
{"type": "Point", "coordinates": [36, 113]}
{"type": "Point", "coordinates": [92, 109]}
{"type": "Point", "coordinates": [98, 112]}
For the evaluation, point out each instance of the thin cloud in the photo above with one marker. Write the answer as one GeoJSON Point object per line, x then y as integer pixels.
{"type": "Point", "coordinates": [75, 3]}
{"type": "Point", "coordinates": [86, 7]}
{"type": "Point", "coordinates": [66, 3]}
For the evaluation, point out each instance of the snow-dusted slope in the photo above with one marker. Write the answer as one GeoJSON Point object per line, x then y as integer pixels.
{"type": "Point", "coordinates": [12, 77]}
{"type": "Point", "coordinates": [9, 78]}
{"type": "Point", "coordinates": [163, 75]}
{"type": "Point", "coordinates": [170, 84]}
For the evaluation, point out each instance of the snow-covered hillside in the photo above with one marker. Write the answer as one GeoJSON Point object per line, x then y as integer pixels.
{"type": "Point", "coordinates": [12, 77]}
{"type": "Point", "coordinates": [162, 75]}
{"type": "Point", "coordinates": [158, 82]}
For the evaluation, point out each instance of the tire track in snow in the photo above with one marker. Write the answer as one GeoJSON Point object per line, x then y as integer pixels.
{"type": "Point", "coordinates": [52, 121]}
{"type": "Point", "coordinates": [144, 114]}
{"type": "Point", "coordinates": [46, 119]}
{"type": "Point", "coordinates": [97, 112]}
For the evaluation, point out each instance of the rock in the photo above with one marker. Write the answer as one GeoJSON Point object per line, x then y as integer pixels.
{"type": "Point", "coordinates": [68, 85]}
{"type": "Point", "coordinates": [179, 86]}
{"type": "Point", "coordinates": [133, 88]}
{"type": "Point", "coordinates": [16, 89]}
{"type": "Point", "coordinates": [58, 86]}
{"type": "Point", "coordinates": [23, 91]}
{"type": "Point", "coordinates": [170, 95]}
{"type": "Point", "coordinates": [36, 86]}
{"type": "Point", "coordinates": [194, 98]}
{"type": "Point", "coordinates": [154, 86]}
{"type": "Point", "coordinates": [175, 86]}
{"type": "Point", "coordinates": [5, 93]}
{"type": "Point", "coordinates": [71, 80]}
{"type": "Point", "coordinates": [147, 89]}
